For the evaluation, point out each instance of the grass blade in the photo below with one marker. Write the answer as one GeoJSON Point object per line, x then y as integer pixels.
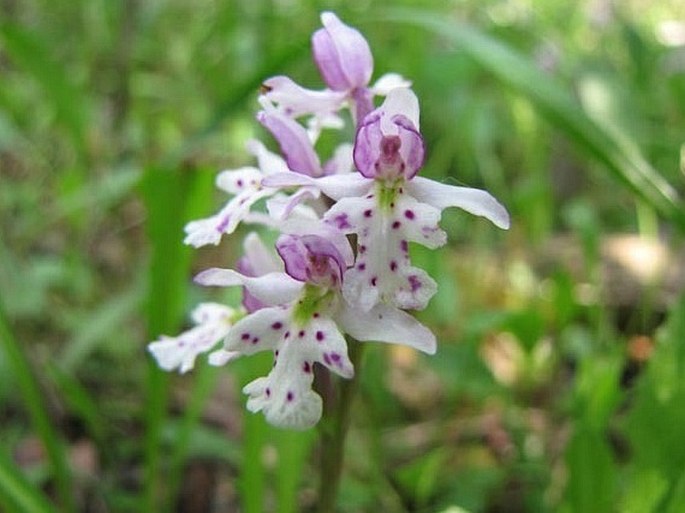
{"type": "Point", "coordinates": [33, 398]}
{"type": "Point", "coordinates": [18, 494]}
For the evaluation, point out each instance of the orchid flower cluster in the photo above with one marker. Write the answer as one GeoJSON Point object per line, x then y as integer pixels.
{"type": "Point", "coordinates": [341, 265]}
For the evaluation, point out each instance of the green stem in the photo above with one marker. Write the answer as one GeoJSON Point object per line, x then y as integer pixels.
{"type": "Point", "coordinates": [333, 432]}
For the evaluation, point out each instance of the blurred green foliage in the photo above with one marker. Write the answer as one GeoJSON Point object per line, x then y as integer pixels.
{"type": "Point", "coordinates": [553, 389]}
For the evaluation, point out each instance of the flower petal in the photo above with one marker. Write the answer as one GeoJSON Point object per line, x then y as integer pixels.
{"type": "Point", "coordinates": [303, 226]}
{"type": "Point", "coordinates": [382, 271]}
{"type": "Point", "coordinates": [418, 222]}
{"type": "Point", "coordinates": [295, 100]}
{"type": "Point", "coordinates": [257, 260]}
{"type": "Point", "coordinates": [341, 162]}
{"type": "Point", "coordinates": [271, 289]}
{"type": "Point", "coordinates": [221, 357]}
{"type": "Point", "coordinates": [311, 259]}
{"type": "Point", "coordinates": [259, 331]}
{"type": "Point", "coordinates": [235, 181]}
{"type": "Point", "coordinates": [388, 82]}
{"type": "Point", "coordinates": [388, 143]}
{"type": "Point", "coordinates": [329, 346]}
{"type": "Point", "coordinates": [210, 230]}
{"type": "Point", "coordinates": [333, 186]}
{"type": "Point", "coordinates": [268, 161]}
{"type": "Point", "coordinates": [342, 54]}
{"type": "Point", "coordinates": [213, 323]}
{"type": "Point", "coordinates": [474, 201]}
{"type": "Point", "coordinates": [293, 141]}
{"type": "Point", "coordinates": [281, 206]}
{"type": "Point", "coordinates": [387, 324]}
{"type": "Point", "coordinates": [289, 403]}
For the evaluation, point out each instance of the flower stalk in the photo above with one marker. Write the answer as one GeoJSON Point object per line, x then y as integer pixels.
{"type": "Point", "coordinates": [333, 433]}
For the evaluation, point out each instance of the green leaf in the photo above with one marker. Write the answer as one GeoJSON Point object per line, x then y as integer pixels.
{"type": "Point", "coordinates": [591, 472]}
{"type": "Point", "coordinates": [17, 493]}
{"type": "Point", "coordinates": [656, 423]}
{"type": "Point", "coordinates": [557, 105]}
{"type": "Point", "coordinates": [32, 394]}
{"type": "Point", "coordinates": [644, 491]}
{"type": "Point", "coordinates": [171, 196]}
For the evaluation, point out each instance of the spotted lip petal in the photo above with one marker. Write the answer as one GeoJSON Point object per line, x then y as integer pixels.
{"type": "Point", "coordinates": [294, 406]}
{"type": "Point", "coordinates": [261, 330]}
{"type": "Point", "coordinates": [383, 271]}
{"type": "Point", "coordinates": [285, 395]}
{"type": "Point", "coordinates": [342, 54]}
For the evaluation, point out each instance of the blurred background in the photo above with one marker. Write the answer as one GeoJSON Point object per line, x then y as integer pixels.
{"type": "Point", "coordinates": [558, 384]}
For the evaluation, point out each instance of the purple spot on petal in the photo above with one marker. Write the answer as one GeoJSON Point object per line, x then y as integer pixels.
{"type": "Point", "coordinates": [361, 266]}
{"type": "Point", "coordinates": [396, 225]}
{"type": "Point", "coordinates": [342, 222]}
{"type": "Point", "coordinates": [409, 214]}
{"type": "Point", "coordinates": [306, 367]}
{"type": "Point", "coordinates": [223, 224]}
{"type": "Point", "coordinates": [245, 336]}
{"type": "Point", "coordinates": [414, 283]}
{"type": "Point", "coordinates": [301, 333]}
{"type": "Point", "coordinates": [393, 266]}
{"type": "Point", "coordinates": [374, 281]}
{"type": "Point", "coordinates": [326, 359]}
{"type": "Point", "coordinates": [368, 213]}
{"type": "Point", "coordinates": [289, 396]}
{"type": "Point", "coordinates": [277, 325]}
{"type": "Point", "coordinates": [362, 249]}
{"type": "Point", "coordinates": [239, 183]}
{"type": "Point", "coordinates": [404, 246]}
{"type": "Point", "coordinates": [286, 335]}
{"type": "Point", "coordinates": [255, 340]}
{"type": "Point", "coordinates": [268, 392]}
{"type": "Point", "coordinates": [320, 336]}
{"type": "Point", "coordinates": [335, 357]}
{"type": "Point", "coordinates": [316, 315]}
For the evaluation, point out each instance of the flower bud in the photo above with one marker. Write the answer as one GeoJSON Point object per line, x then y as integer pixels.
{"type": "Point", "coordinates": [342, 54]}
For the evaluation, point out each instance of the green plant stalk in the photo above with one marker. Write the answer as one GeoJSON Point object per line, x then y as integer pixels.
{"type": "Point", "coordinates": [167, 195]}
{"type": "Point", "coordinates": [33, 398]}
{"type": "Point", "coordinates": [333, 432]}
{"type": "Point", "coordinates": [203, 386]}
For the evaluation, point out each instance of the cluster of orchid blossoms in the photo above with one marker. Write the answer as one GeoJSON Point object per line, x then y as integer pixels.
{"type": "Point", "coordinates": [320, 287]}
